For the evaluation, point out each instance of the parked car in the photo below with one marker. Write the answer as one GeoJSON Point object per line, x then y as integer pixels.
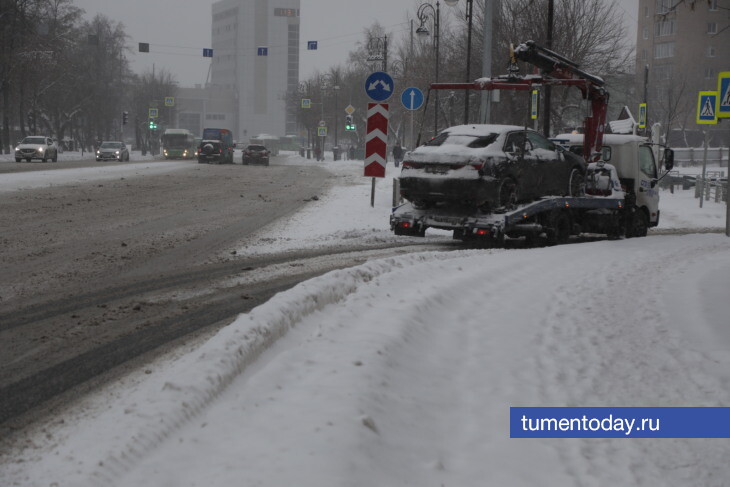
{"type": "Point", "coordinates": [255, 154]}
{"type": "Point", "coordinates": [36, 147]}
{"type": "Point", "coordinates": [112, 151]}
{"type": "Point", "coordinates": [488, 167]}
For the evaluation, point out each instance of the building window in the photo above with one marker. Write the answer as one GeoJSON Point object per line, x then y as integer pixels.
{"type": "Point", "coordinates": [215, 116]}
{"type": "Point", "coordinates": [664, 50]}
{"type": "Point", "coordinates": [663, 72]}
{"type": "Point", "coordinates": [665, 28]}
{"type": "Point", "coordinates": [712, 27]}
{"type": "Point", "coordinates": [713, 5]}
{"type": "Point", "coordinates": [646, 11]}
{"type": "Point", "coordinates": [663, 6]}
{"type": "Point", "coordinates": [710, 73]}
{"type": "Point", "coordinates": [643, 55]}
{"type": "Point", "coordinates": [646, 32]}
{"type": "Point", "coordinates": [710, 51]}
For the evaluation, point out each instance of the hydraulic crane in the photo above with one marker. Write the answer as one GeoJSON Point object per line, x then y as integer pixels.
{"type": "Point", "coordinates": [555, 70]}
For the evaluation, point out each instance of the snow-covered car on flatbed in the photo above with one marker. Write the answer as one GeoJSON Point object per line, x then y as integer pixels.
{"type": "Point", "coordinates": [489, 166]}
{"type": "Point", "coordinates": [36, 147]}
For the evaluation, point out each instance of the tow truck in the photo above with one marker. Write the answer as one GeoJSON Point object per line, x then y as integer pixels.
{"type": "Point", "coordinates": [619, 201]}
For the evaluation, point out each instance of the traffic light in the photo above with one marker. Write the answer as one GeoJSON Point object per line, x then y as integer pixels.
{"type": "Point", "coordinates": [349, 125]}
{"type": "Point", "coordinates": [125, 118]}
{"type": "Point", "coordinates": [153, 124]}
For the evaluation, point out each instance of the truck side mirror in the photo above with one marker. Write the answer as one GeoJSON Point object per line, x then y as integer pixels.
{"type": "Point", "coordinates": [668, 159]}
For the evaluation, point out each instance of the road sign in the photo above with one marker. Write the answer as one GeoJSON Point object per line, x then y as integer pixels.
{"type": "Point", "coordinates": [153, 112]}
{"type": "Point", "coordinates": [169, 101]}
{"type": "Point", "coordinates": [379, 86]}
{"type": "Point", "coordinates": [349, 110]}
{"type": "Point", "coordinates": [143, 46]}
{"type": "Point", "coordinates": [262, 51]}
{"type": "Point", "coordinates": [706, 107]}
{"type": "Point", "coordinates": [723, 94]}
{"type": "Point", "coordinates": [412, 98]}
{"type": "Point", "coordinates": [311, 45]}
{"type": "Point", "coordinates": [376, 140]}
{"type": "Point", "coordinates": [642, 115]}
{"type": "Point", "coordinates": [535, 99]}
{"type": "Point", "coordinates": [306, 103]}
{"type": "Point", "coordinates": [322, 131]}
{"type": "Point", "coordinates": [207, 52]}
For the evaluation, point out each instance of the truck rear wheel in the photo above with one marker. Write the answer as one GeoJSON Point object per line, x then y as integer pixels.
{"type": "Point", "coordinates": [638, 225]}
{"type": "Point", "coordinates": [559, 233]}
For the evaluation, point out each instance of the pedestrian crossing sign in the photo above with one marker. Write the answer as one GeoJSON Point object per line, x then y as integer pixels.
{"type": "Point", "coordinates": [706, 107]}
{"type": "Point", "coordinates": [723, 95]}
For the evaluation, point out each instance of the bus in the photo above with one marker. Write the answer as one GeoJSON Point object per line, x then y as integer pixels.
{"type": "Point", "coordinates": [271, 142]}
{"type": "Point", "coordinates": [178, 144]}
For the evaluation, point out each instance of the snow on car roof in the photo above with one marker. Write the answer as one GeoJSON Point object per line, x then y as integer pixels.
{"type": "Point", "coordinates": [481, 129]}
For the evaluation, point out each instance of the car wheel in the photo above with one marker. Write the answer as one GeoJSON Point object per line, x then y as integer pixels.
{"type": "Point", "coordinates": [27, 159]}
{"type": "Point", "coordinates": [508, 193]}
{"type": "Point", "coordinates": [638, 225]}
{"type": "Point", "coordinates": [576, 183]}
{"type": "Point", "coordinates": [17, 160]}
{"type": "Point", "coordinates": [55, 157]}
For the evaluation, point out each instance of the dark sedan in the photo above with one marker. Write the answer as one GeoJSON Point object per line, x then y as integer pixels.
{"type": "Point", "coordinates": [489, 167]}
{"type": "Point", "coordinates": [255, 154]}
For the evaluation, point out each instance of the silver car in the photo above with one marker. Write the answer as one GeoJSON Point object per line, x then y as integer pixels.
{"type": "Point", "coordinates": [36, 147]}
{"type": "Point", "coordinates": [112, 151]}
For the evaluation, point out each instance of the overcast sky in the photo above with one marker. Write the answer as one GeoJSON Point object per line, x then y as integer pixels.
{"type": "Point", "coordinates": [178, 31]}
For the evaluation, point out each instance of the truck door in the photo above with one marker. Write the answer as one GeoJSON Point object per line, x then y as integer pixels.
{"type": "Point", "coordinates": [647, 194]}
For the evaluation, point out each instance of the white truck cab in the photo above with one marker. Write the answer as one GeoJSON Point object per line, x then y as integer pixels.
{"type": "Point", "coordinates": [638, 169]}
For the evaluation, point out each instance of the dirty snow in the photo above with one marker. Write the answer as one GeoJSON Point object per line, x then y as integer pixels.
{"type": "Point", "coordinates": [401, 371]}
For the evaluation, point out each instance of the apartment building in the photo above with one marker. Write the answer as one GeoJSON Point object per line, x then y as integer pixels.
{"type": "Point", "coordinates": [256, 57]}
{"type": "Point", "coordinates": [682, 45]}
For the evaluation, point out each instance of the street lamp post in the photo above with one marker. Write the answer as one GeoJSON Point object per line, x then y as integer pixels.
{"type": "Point", "coordinates": [469, 11]}
{"type": "Point", "coordinates": [425, 11]}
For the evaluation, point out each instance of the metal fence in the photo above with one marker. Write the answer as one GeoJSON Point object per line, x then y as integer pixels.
{"type": "Point", "coordinates": [693, 156]}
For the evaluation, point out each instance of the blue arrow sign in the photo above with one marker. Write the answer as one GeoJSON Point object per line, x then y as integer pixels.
{"type": "Point", "coordinates": [262, 51]}
{"type": "Point", "coordinates": [379, 86]}
{"type": "Point", "coordinates": [412, 98]}
{"type": "Point", "coordinates": [311, 45]}
{"type": "Point", "coordinates": [207, 52]}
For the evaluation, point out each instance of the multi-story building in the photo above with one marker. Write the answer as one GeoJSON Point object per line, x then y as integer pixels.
{"type": "Point", "coordinates": [682, 45]}
{"type": "Point", "coordinates": [256, 56]}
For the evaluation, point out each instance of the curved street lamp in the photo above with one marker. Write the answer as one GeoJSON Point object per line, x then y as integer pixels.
{"type": "Point", "coordinates": [424, 12]}
{"type": "Point", "coordinates": [469, 11]}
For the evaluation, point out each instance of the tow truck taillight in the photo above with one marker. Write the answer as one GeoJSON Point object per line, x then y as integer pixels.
{"type": "Point", "coordinates": [481, 232]}
{"type": "Point", "coordinates": [404, 224]}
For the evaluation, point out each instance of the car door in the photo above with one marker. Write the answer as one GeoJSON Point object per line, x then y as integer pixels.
{"type": "Point", "coordinates": [552, 172]}
{"type": "Point", "coordinates": [522, 163]}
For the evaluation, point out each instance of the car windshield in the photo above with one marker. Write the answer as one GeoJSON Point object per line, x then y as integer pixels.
{"type": "Point", "coordinates": [111, 145]}
{"type": "Point", "coordinates": [34, 140]}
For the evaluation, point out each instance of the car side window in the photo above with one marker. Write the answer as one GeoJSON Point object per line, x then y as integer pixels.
{"type": "Point", "coordinates": [646, 161]}
{"type": "Point", "coordinates": [515, 142]}
{"type": "Point", "coordinates": [540, 142]}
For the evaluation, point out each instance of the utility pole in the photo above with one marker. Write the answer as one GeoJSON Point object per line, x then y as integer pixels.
{"type": "Point", "coordinates": [549, 45]}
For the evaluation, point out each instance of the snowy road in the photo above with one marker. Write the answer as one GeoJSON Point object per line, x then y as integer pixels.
{"type": "Point", "coordinates": [387, 375]}
{"type": "Point", "coordinates": [401, 371]}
